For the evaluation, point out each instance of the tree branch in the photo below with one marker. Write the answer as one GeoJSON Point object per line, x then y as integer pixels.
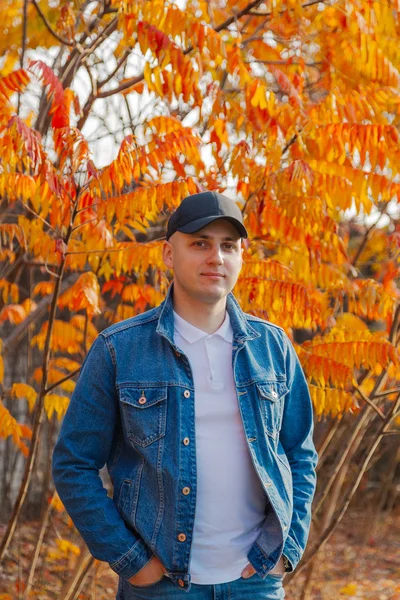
{"type": "Point", "coordinates": [270, 14]}
{"type": "Point", "coordinates": [60, 381]}
{"type": "Point", "coordinates": [369, 401]}
{"type": "Point", "coordinates": [49, 27]}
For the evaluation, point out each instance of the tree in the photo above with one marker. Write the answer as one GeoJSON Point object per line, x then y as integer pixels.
{"type": "Point", "coordinates": [292, 108]}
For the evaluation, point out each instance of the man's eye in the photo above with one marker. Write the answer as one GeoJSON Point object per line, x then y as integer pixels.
{"type": "Point", "coordinates": [230, 246]}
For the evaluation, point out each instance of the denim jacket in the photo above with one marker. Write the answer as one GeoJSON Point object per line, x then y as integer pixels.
{"type": "Point", "coordinates": [133, 409]}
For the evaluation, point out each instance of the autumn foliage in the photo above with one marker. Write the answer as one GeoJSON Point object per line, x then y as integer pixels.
{"type": "Point", "coordinates": [291, 109]}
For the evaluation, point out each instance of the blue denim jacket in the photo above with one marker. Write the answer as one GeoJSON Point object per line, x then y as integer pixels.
{"type": "Point", "coordinates": [133, 409]}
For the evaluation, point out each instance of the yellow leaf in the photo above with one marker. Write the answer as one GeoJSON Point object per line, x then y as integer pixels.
{"type": "Point", "coordinates": [56, 503]}
{"type": "Point", "coordinates": [351, 322]}
{"type": "Point", "coordinates": [64, 549]}
{"type": "Point", "coordinates": [55, 403]}
{"type": "Point", "coordinates": [10, 427]}
{"type": "Point", "coordinates": [349, 590]}
{"type": "Point", "coordinates": [23, 390]}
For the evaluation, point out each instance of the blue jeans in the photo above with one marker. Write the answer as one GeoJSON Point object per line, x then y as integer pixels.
{"type": "Point", "coordinates": [253, 588]}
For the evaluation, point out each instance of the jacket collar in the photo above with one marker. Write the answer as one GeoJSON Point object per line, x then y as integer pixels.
{"type": "Point", "coordinates": [242, 330]}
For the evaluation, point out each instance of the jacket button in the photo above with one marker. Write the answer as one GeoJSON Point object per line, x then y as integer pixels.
{"type": "Point", "coordinates": [182, 537]}
{"type": "Point", "coordinates": [142, 400]}
{"type": "Point", "coordinates": [186, 491]}
{"type": "Point", "coordinates": [186, 441]}
{"type": "Point", "coordinates": [274, 394]}
{"type": "Point", "coordinates": [181, 583]}
{"type": "Point", "coordinates": [186, 393]}
{"type": "Point", "coordinates": [177, 353]}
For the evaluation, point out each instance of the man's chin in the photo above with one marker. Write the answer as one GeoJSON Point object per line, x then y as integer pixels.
{"type": "Point", "coordinates": [213, 294]}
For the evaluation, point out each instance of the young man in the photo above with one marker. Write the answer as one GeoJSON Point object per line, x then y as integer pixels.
{"type": "Point", "coordinates": [203, 416]}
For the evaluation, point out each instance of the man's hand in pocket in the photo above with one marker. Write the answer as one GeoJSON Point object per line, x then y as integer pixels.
{"type": "Point", "coordinates": [249, 570]}
{"type": "Point", "coordinates": [152, 572]}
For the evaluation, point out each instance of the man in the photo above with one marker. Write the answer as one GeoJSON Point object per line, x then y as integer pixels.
{"type": "Point", "coordinates": [204, 419]}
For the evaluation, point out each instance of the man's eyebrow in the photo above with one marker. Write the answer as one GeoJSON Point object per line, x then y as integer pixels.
{"type": "Point", "coordinates": [204, 236]}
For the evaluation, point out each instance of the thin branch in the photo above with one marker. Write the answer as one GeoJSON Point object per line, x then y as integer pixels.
{"type": "Point", "coordinates": [270, 14]}
{"type": "Point", "coordinates": [367, 235]}
{"type": "Point", "coordinates": [37, 216]}
{"type": "Point", "coordinates": [290, 142]}
{"type": "Point", "coordinates": [369, 401]}
{"type": "Point", "coordinates": [98, 85]}
{"type": "Point", "coordinates": [49, 27]}
{"type": "Point", "coordinates": [39, 543]}
{"type": "Point", "coordinates": [111, 27]}
{"type": "Point", "coordinates": [60, 381]}
{"type": "Point", "coordinates": [388, 392]}
{"type": "Point", "coordinates": [23, 44]}
{"type": "Point", "coordinates": [238, 15]}
{"type": "Point", "coordinates": [123, 86]}
{"type": "Point", "coordinates": [85, 223]}
{"type": "Point", "coordinates": [121, 61]}
{"type": "Point", "coordinates": [281, 62]}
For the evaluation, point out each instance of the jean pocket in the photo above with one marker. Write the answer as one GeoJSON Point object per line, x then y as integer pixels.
{"type": "Point", "coordinates": [271, 399]}
{"type": "Point", "coordinates": [143, 413]}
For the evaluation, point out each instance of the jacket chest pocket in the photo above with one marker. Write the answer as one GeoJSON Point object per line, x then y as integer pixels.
{"type": "Point", "coordinates": [271, 400]}
{"type": "Point", "coordinates": [144, 413]}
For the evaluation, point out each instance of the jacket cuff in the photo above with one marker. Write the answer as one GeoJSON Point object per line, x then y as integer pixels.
{"type": "Point", "coordinates": [292, 553]}
{"type": "Point", "coordinates": [262, 564]}
{"type": "Point", "coordinates": [133, 561]}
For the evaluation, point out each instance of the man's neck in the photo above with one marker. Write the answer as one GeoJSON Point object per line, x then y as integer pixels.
{"type": "Point", "coordinates": [207, 317]}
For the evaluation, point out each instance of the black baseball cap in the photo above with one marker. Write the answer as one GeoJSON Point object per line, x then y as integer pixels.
{"type": "Point", "coordinates": [198, 210]}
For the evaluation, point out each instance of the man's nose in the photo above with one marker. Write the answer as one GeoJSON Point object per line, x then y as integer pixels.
{"type": "Point", "coordinates": [215, 256]}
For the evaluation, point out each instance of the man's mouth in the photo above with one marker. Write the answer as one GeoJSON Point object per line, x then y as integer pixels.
{"type": "Point", "coordinates": [214, 276]}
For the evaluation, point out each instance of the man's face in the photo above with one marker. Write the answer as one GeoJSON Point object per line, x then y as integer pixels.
{"type": "Point", "coordinates": [207, 263]}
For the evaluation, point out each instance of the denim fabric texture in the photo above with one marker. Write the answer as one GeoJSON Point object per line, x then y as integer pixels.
{"type": "Point", "coordinates": [255, 588]}
{"type": "Point", "coordinates": [133, 409]}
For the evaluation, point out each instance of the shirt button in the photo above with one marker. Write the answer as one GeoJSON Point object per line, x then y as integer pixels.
{"type": "Point", "coordinates": [181, 583]}
{"type": "Point", "coordinates": [182, 537]}
{"type": "Point", "coordinates": [186, 441]}
{"type": "Point", "coordinates": [274, 394]}
{"type": "Point", "coordinates": [186, 491]}
{"type": "Point", "coordinates": [186, 393]}
{"type": "Point", "coordinates": [142, 400]}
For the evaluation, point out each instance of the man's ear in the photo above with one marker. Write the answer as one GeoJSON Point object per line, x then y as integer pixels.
{"type": "Point", "coordinates": [167, 254]}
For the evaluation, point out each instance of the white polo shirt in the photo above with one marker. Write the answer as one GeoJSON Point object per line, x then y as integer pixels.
{"type": "Point", "coordinates": [230, 502]}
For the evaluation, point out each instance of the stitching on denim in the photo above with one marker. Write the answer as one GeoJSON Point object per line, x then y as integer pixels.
{"type": "Point", "coordinates": [132, 323]}
{"type": "Point", "coordinates": [153, 384]}
{"type": "Point", "coordinates": [110, 351]}
{"type": "Point", "coordinates": [255, 319]}
{"type": "Point", "coordinates": [136, 490]}
{"type": "Point", "coordinates": [131, 551]}
{"type": "Point", "coordinates": [116, 456]}
{"type": "Point", "coordinates": [161, 493]}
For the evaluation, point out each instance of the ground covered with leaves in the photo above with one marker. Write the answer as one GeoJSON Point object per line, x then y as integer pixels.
{"type": "Point", "coordinates": [361, 561]}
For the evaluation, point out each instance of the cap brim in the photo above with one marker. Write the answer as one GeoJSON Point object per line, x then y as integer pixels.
{"type": "Point", "coordinates": [198, 224]}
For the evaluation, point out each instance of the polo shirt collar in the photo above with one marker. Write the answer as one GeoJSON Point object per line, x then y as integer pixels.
{"type": "Point", "coordinates": [193, 334]}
